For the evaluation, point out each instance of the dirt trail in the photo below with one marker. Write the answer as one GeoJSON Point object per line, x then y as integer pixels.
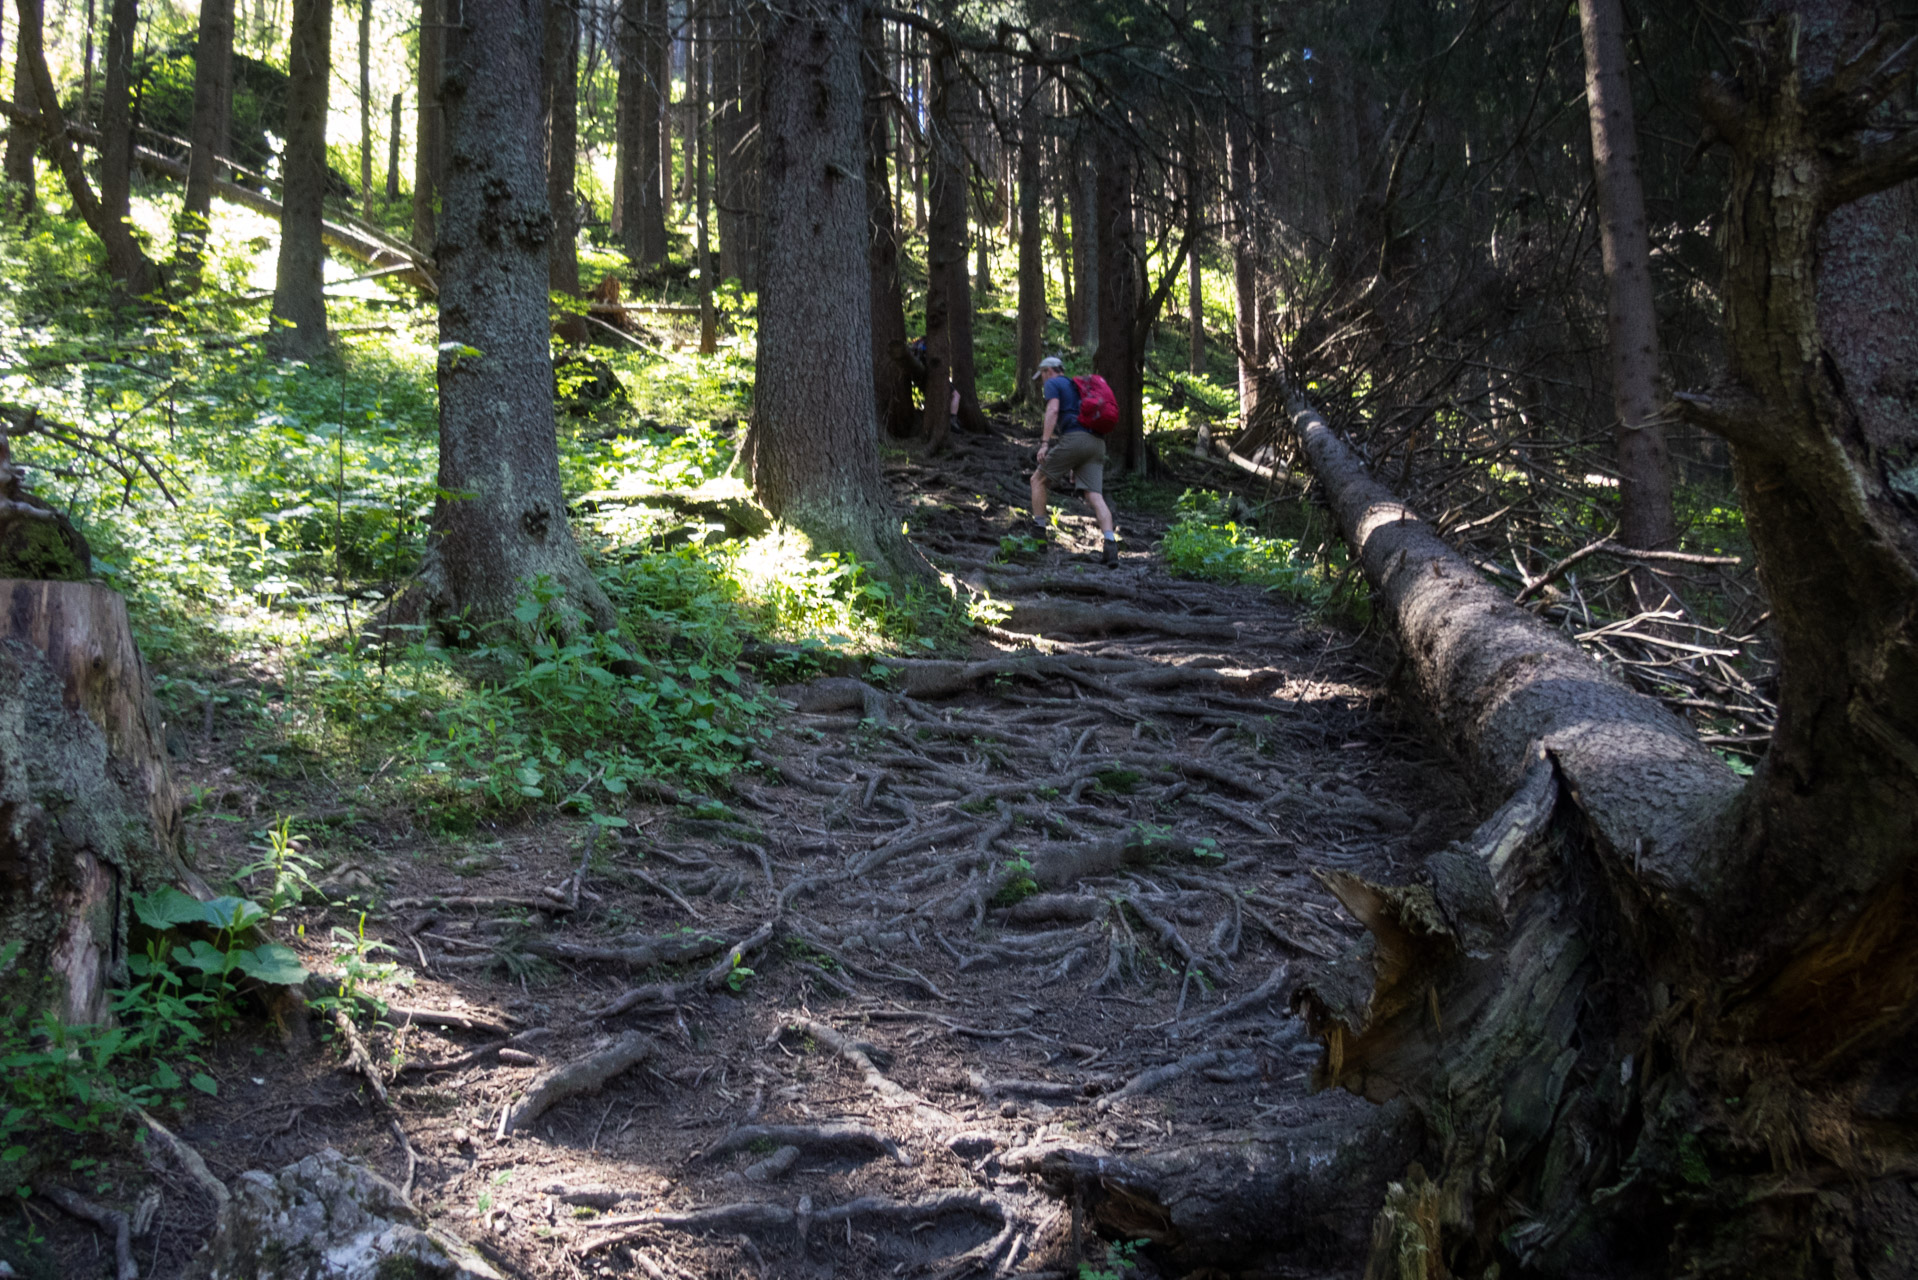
{"type": "Point", "coordinates": [1048, 895]}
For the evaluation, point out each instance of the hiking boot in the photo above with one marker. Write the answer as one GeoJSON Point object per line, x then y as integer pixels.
{"type": "Point", "coordinates": [1112, 553]}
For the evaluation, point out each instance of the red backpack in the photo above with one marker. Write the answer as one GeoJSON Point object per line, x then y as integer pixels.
{"type": "Point", "coordinates": [1098, 407]}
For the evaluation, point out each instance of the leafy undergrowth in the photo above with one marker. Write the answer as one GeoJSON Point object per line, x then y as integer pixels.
{"type": "Point", "coordinates": [261, 516]}
{"type": "Point", "coordinates": [1209, 541]}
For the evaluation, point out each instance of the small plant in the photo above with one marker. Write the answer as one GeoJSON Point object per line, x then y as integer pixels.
{"type": "Point", "coordinates": [1209, 542]}
{"type": "Point", "coordinates": [289, 869]}
{"type": "Point", "coordinates": [737, 978]}
{"type": "Point", "coordinates": [357, 966]}
{"type": "Point", "coordinates": [1018, 884]}
{"type": "Point", "coordinates": [175, 964]}
{"type": "Point", "coordinates": [1122, 1260]}
{"type": "Point", "coordinates": [1019, 546]}
{"type": "Point", "coordinates": [1207, 849]}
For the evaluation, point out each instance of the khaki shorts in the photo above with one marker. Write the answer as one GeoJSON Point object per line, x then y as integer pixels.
{"type": "Point", "coordinates": [1078, 454]}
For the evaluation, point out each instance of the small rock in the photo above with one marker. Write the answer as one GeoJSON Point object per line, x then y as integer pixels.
{"type": "Point", "coordinates": [518, 1058]}
{"type": "Point", "coordinates": [971, 1146]}
{"type": "Point", "coordinates": [462, 1138]}
{"type": "Point", "coordinates": [773, 1167]}
{"type": "Point", "coordinates": [1008, 1109]}
{"type": "Point", "coordinates": [329, 1218]}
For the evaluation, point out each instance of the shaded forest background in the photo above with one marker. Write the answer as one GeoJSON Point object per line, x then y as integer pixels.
{"type": "Point", "coordinates": [462, 398]}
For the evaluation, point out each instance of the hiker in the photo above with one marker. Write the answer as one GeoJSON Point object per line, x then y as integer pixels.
{"type": "Point", "coordinates": [1078, 457]}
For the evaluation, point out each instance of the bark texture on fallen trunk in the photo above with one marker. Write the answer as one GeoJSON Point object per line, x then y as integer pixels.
{"type": "Point", "coordinates": [1497, 680]}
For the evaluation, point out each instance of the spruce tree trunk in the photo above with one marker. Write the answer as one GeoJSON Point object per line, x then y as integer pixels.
{"type": "Point", "coordinates": [116, 112]}
{"type": "Point", "coordinates": [429, 144]}
{"type": "Point", "coordinates": [503, 522]}
{"type": "Point", "coordinates": [948, 295]}
{"type": "Point", "coordinates": [23, 139]}
{"type": "Point", "coordinates": [1120, 358]}
{"type": "Point", "coordinates": [299, 301]}
{"type": "Point", "coordinates": [702, 184]}
{"type": "Point", "coordinates": [1086, 245]}
{"type": "Point", "coordinates": [1240, 41]}
{"type": "Point", "coordinates": [645, 206]}
{"type": "Point", "coordinates": [561, 83]}
{"type": "Point", "coordinates": [1195, 283]}
{"type": "Point", "coordinates": [212, 111]}
{"type": "Point", "coordinates": [368, 209]}
{"type": "Point", "coordinates": [393, 150]}
{"type": "Point", "coordinates": [728, 197]}
{"type": "Point", "coordinates": [1032, 266]}
{"type": "Point", "coordinates": [892, 387]}
{"type": "Point", "coordinates": [814, 440]}
{"type": "Point", "coordinates": [1644, 462]}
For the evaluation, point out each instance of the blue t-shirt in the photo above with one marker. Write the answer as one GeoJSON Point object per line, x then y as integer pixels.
{"type": "Point", "coordinates": [1061, 388]}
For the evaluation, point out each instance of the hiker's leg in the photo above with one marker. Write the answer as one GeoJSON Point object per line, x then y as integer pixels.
{"type": "Point", "coordinates": [1038, 495]}
{"type": "Point", "coordinates": [1099, 509]}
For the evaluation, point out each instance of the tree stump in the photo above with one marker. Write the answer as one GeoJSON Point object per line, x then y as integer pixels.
{"type": "Point", "coordinates": [88, 810]}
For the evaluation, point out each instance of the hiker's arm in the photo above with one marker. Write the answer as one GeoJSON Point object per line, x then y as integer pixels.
{"type": "Point", "coordinates": [1052, 423]}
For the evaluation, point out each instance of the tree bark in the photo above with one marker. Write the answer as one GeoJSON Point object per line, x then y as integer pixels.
{"type": "Point", "coordinates": [1241, 41]}
{"type": "Point", "coordinates": [1644, 462]}
{"type": "Point", "coordinates": [88, 810]}
{"type": "Point", "coordinates": [1086, 246]}
{"type": "Point", "coordinates": [127, 262]}
{"type": "Point", "coordinates": [1120, 358]}
{"type": "Point", "coordinates": [892, 387]}
{"type": "Point", "coordinates": [728, 88]}
{"type": "Point", "coordinates": [23, 139]}
{"type": "Point", "coordinates": [948, 296]}
{"type": "Point", "coordinates": [701, 66]}
{"type": "Point", "coordinates": [393, 150]}
{"type": "Point", "coordinates": [501, 523]}
{"type": "Point", "coordinates": [814, 441]}
{"type": "Point", "coordinates": [212, 112]}
{"type": "Point", "coordinates": [368, 209]}
{"type": "Point", "coordinates": [1195, 283]}
{"type": "Point", "coordinates": [299, 298]}
{"type": "Point", "coordinates": [1663, 1024]}
{"type": "Point", "coordinates": [116, 112]}
{"type": "Point", "coordinates": [429, 146]}
{"type": "Point", "coordinates": [1032, 267]}
{"type": "Point", "coordinates": [561, 84]}
{"type": "Point", "coordinates": [643, 218]}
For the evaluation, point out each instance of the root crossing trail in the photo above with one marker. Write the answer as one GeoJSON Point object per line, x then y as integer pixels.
{"type": "Point", "coordinates": [980, 934]}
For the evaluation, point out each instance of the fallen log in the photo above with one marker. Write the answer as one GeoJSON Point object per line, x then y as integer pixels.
{"type": "Point", "coordinates": [361, 242]}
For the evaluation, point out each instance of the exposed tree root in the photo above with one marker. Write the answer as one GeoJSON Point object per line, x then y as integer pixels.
{"type": "Point", "coordinates": [1066, 617]}
{"type": "Point", "coordinates": [583, 1076]}
{"type": "Point", "coordinates": [111, 1221]}
{"type": "Point", "coordinates": [1212, 1202]}
{"type": "Point", "coordinates": [831, 1139]}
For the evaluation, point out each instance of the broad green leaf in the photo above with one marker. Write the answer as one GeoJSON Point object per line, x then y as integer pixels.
{"type": "Point", "coordinates": [166, 907]}
{"type": "Point", "coordinates": [273, 964]}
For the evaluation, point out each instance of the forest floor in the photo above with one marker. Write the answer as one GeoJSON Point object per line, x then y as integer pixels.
{"type": "Point", "coordinates": [1045, 895]}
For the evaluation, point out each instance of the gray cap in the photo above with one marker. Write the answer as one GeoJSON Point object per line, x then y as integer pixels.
{"type": "Point", "coordinates": [1050, 362]}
